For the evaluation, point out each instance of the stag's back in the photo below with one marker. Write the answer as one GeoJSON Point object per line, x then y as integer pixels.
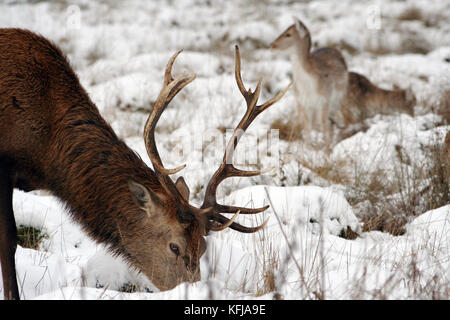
{"type": "Point", "coordinates": [35, 78]}
{"type": "Point", "coordinates": [38, 90]}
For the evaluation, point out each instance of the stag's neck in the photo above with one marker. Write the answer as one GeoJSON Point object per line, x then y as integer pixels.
{"type": "Point", "coordinates": [90, 172]}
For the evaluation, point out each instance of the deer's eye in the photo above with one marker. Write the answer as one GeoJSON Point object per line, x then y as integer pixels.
{"type": "Point", "coordinates": [288, 35]}
{"type": "Point", "coordinates": [175, 249]}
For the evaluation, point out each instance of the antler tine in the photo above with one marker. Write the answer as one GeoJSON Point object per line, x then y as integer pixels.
{"type": "Point", "coordinates": [226, 224]}
{"type": "Point", "coordinates": [170, 88]}
{"type": "Point", "coordinates": [235, 226]}
{"type": "Point", "coordinates": [237, 73]}
{"type": "Point", "coordinates": [252, 97]}
{"type": "Point", "coordinates": [232, 209]}
{"type": "Point", "coordinates": [227, 169]}
{"type": "Point", "coordinates": [275, 99]}
{"type": "Point", "coordinates": [168, 72]}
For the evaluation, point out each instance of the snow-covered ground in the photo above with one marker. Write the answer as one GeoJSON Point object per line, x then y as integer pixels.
{"type": "Point", "coordinates": [120, 49]}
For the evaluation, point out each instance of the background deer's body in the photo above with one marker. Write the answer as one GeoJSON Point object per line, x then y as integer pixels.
{"type": "Point", "coordinates": [325, 87]}
{"type": "Point", "coordinates": [52, 137]}
{"type": "Point", "coordinates": [320, 78]}
{"type": "Point", "coordinates": [364, 100]}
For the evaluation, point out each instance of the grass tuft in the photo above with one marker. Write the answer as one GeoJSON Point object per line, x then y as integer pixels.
{"type": "Point", "coordinates": [30, 237]}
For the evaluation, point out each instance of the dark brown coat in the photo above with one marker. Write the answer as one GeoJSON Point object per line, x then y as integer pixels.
{"type": "Point", "coordinates": [52, 137]}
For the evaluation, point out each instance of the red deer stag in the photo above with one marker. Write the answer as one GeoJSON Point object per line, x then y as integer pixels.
{"type": "Point", "coordinates": [53, 137]}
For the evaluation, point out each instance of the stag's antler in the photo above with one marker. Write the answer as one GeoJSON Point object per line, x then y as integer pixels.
{"type": "Point", "coordinates": [210, 208]}
{"type": "Point", "coordinates": [170, 88]}
{"type": "Point", "coordinates": [227, 169]}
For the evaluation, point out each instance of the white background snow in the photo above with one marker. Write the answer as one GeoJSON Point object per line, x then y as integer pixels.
{"type": "Point", "coordinates": [119, 50]}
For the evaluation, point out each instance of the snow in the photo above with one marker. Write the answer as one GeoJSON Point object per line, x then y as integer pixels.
{"type": "Point", "coordinates": [376, 150]}
{"type": "Point", "coordinates": [119, 50]}
{"type": "Point", "coordinates": [70, 266]}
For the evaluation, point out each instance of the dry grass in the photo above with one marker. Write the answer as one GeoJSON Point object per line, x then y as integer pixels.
{"type": "Point", "coordinates": [377, 204]}
{"type": "Point", "coordinates": [389, 223]}
{"type": "Point", "coordinates": [443, 108]}
{"type": "Point", "coordinates": [388, 207]}
{"type": "Point", "coordinates": [386, 201]}
{"type": "Point", "coordinates": [348, 234]}
{"type": "Point", "coordinates": [271, 265]}
{"type": "Point", "coordinates": [29, 237]}
{"type": "Point", "coordinates": [437, 194]}
{"type": "Point", "coordinates": [410, 42]}
{"type": "Point", "coordinates": [290, 130]}
{"type": "Point", "coordinates": [410, 14]}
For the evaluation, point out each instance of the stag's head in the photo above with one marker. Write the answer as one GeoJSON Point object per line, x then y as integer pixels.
{"type": "Point", "coordinates": [170, 240]}
{"type": "Point", "coordinates": [295, 35]}
{"type": "Point", "coordinates": [167, 241]}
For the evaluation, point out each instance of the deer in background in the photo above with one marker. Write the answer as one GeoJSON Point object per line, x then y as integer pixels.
{"type": "Point", "coordinates": [320, 79]}
{"type": "Point", "coordinates": [327, 92]}
{"type": "Point", "coordinates": [53, 137]}
{"type": "Point", "coordinates": [364, 100]}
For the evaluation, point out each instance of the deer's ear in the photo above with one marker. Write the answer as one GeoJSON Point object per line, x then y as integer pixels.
{"type": "Point", "coordinates": [182, 188]}
{"type": "Point", "coordinates": [143, 197]}
{"type": "Point", "coordinates": [301, 28]}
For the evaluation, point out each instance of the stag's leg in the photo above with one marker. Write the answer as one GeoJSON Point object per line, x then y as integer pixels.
{"type": "Point", "coordinates": [8, 236]}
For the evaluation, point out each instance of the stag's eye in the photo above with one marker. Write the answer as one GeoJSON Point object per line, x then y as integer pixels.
{"type": "Point", "coordinates": [175, 249]}
{"type": "Point", "coordinates": [288, 35]}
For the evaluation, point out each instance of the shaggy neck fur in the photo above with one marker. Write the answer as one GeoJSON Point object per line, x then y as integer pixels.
{"type": "Point", "coordinates": [90, 172]}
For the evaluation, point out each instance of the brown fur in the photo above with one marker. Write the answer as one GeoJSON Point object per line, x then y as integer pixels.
{"type": "Point", "coordinates": [364, 100]}
{"type": "Point", "coordinates": [447, 153]}
{"type": "Point", "coordinates": [348, 97]}
{"type": "Point", "coordinates": [320, 78]}
{"type": "Point", "coordinates": [52, 137]}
